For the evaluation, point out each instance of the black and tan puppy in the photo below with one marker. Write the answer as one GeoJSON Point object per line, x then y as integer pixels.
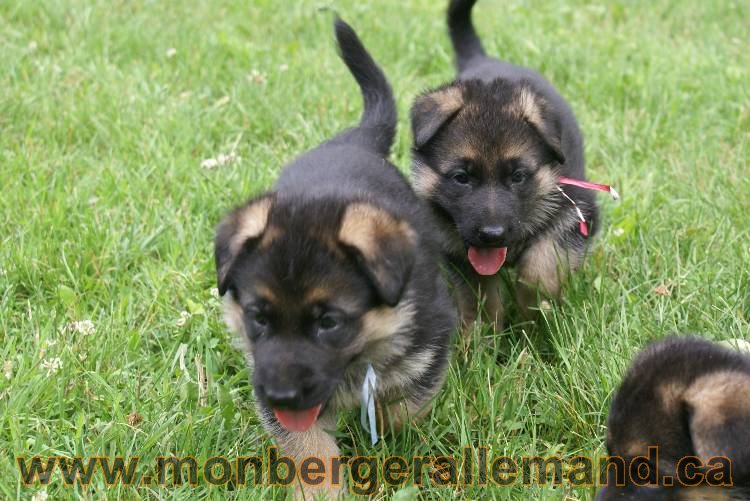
{"type": "Point", "coordinates": [337, 268]}
{"type": "Point", "coordinates": [683, 414]}
{"type": "Point", "coordinates": [489, 149]}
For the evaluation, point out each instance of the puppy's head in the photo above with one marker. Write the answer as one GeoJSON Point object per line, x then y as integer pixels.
{"type": "Point", "coordinates": [308, 284]}
{"type": "Point", "coordinates": [680, 419]}
{"type": "Point", "coordinates": [485, 156]}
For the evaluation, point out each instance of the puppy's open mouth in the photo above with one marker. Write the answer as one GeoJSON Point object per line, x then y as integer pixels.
{"type": "Point", "coordinates": [487, 261]}
{"type": "Point", "coordinates": [297, 421]}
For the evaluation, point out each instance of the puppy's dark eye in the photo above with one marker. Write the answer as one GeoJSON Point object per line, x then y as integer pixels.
{"type": "Point", "coordinates": [327, 322]}
{"type": "Point", "coordinates": [461, 177]}
{"type": "Point", "coordinates": [519, 176]}
{"type": "Point", "coordinates": [260, 320]}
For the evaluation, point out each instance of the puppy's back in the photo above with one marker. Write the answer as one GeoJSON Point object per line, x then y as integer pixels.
{"type": "Point", "coordinates": [354, 163]}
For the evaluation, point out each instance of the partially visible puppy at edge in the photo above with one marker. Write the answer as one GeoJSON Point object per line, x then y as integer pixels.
{"type": "Point", "coordinates": [488, 151]}
{"type": "Point", "coordinates": [688, 398]}
{"type": "Point", "coordinates": [333, 270]}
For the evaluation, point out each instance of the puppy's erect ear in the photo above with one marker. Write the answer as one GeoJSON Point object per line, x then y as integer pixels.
{"type": "Point", "coordinates": [384, 245]}
{"type": "Point", "coordinates": [242, 227]}
{"type": "Point", "coordinates": [537, 113]}
{"type": "Point", "coordinates": [433, 110]}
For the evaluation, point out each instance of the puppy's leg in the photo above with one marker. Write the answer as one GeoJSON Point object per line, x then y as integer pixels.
{"type": "Point", "coordinates": [409, 410]}
{"type": "Point", "coordinates": [467, 303]}
{"type": "Point", "coordinates": [493, 311]}
{"type": "Point", "coordinates": [480, 301]}
{"type": "Point", "coordinates": [315, 442]}
{"type": "Point", "coordinates": [416, 404]}
{"type": "Point", "coordinates": [542, 270]}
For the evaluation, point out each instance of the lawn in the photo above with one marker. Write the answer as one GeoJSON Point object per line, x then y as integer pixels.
{"type": "Point", "coordinates": [110, 114]}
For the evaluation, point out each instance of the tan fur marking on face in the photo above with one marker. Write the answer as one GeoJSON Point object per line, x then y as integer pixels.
{"type": "Point", "coordinates": [546, 181]}
{"type": "Point", "coordinates": [466, 150]}
{"type": "Point", "coordinates": [425, 180]}
{"type": "Point", "coordinates": [251, 222]}
{"type": "Point", "coordinates": [716, 398]}
{"type": "Point", "coordinates": [514, 150]}
{"type": "Point", "coordinates": [317, 295]}
{"type": "Point", "coordinates": [384, 322]}
{"type": "Point", "coordinates": [266, 293]}
{"type": "Point", "coordinates": [365, 227]}
{"type": "Point", "coordinates": [233, 315]}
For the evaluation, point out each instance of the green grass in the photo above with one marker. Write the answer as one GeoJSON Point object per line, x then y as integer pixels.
{"type": "Point", "coordinates": [107, 215]}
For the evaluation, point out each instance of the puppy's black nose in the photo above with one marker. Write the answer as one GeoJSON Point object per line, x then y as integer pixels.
{"type": "Point", "coordinates": [491, 235]}
{"type": "Point", "coordinates": [282, 396]}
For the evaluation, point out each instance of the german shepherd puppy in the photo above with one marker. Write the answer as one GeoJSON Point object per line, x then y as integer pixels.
{"type": "Point", "coordinates": [335, 269]}
{"type": "Point", "coordinates": [683, 398]}
{"type": "Point", "coordinates": [488, 151]}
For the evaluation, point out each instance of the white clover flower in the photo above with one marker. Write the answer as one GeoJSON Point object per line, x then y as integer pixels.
{"type": "Point", "coordinates": [283, 67]}
{"type": "Point", "coordinates": [82, 327]}
{"type": "Point", "coordinates": [171, 52]}
{"type": "Point", "coordinates": [257, 77]}
{"type": "Point", "coordinates": [222, 101]}
{"type": "Point", "coordinates": [52, 365]}
{"type": "Point", "coordinates": [210, 163]}
{"type": "Point", "coordinates": [8, 369]}
{"type": "Point", "coordinates": [220, 161]}
{"type": "Point", "coordinates": [40, 496]}
{"type": "Point", "coordinates": [184, 317]}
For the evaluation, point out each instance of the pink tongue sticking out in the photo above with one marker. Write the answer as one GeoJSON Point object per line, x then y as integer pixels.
{"type": "Point", "coordinates": [297, 421]}
{"type": "Point", "coordinates": [487, 261]}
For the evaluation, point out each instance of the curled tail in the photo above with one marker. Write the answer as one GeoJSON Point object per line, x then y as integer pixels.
{"type": "Point", "coordinates": [466, 43]}
{"type": "Point", "coordinates": [377, 127]}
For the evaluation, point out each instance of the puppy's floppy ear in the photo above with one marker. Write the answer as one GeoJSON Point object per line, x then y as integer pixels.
{"type": "Point", "coordinates": [538, 113]}
{"type": "Point", "coordinates": [242, 227]}
{"type": "Point", "coordinates": [719, 417]}
{"type": "Point", "coordinates": [433, 110]}
{"type": "Point", "coordinates": [385, 247]}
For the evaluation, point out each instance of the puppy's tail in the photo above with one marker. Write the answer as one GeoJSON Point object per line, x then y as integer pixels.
{"type": "Point", "coordinates": [377, 127]}
{"type": "Point", "coordinates": [466, 43]}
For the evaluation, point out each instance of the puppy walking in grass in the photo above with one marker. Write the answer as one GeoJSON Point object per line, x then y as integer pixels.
{"type": "Point", "coordinates": [334, 275]}
{"type": "Point", "coordinates": [684, 409]}
{"type": "Point", "coordinates": [490, 149]}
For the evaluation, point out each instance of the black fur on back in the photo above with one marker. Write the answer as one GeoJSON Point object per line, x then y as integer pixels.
{"type": "Point", "coordinates": [377, 127]}
{"type": "Point", "coordinates": [465, 41]}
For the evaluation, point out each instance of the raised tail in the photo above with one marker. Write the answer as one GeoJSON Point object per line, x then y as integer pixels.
{"type": "Point", "coordinates": [377, 127]}
{"type": "Point", "coordinates": [466, 43]}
